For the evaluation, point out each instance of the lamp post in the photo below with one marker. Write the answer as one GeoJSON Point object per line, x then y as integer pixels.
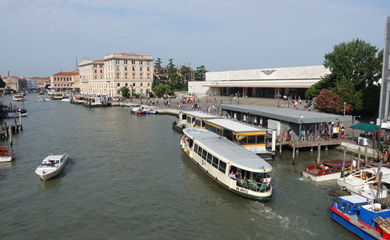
{"type": "Point", "coordinates": [344, 108]}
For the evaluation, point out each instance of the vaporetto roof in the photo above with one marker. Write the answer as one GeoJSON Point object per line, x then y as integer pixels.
{"type": "Point", "coordinates": [219, 146]}
{"type": "Point", "coordinates": [235, 125]}
{"type": "Point", "coordinates": [286, 114]}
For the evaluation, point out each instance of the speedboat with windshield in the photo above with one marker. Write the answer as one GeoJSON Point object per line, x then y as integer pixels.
{"type": "Point", "coordinates": [51, 166]}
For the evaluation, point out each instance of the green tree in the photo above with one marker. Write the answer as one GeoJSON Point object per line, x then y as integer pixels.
{"type": "Point", "coordinates": [354, 67]}
{"type": "Point", "coordinates": [161, 89]}
{"type": "Point", "coordinates": [172, 75]}
{"type": "Point", "coordinates": [185, 73]}
{"type": "Point", "coordinates": [157, 65]}
{"type": "Point", "coordinates": [2, 83]}
{"type": "Point", "coordinates": [200, 73]}
{"type": "Point", "coordinates": [124, 91]}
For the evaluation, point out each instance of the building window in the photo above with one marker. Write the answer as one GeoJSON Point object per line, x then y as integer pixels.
{"type": "Point", "coordinates": [125, 61]}
{"type": "Point", "coordinates": [133, 62]}
{"type": "Point", "coordinates": [133, 68]}
{"type": "Point", "coordinates": [101, 71]}
{"type": "Point", "coordinates": [126, 75]}
{"type": "Point", "coordinates": [125, 68]}
{"type": "Point", "coordinates": [118, 84]}
{"type": "Point", "coordinates": [133, 75]}
{"type": "Point", "coordinates": [148, 69]}
{"type": "Point", "coordinates": [140, 84]}
{"type": "Point", "coordinates": [140, 68]}
{"type": "Point", "coordinates": [140, 75]}
{"type": "Point", "coordinates": [140, 62]}
{"type": "Point", "coordinates": [148, 76]}
{"type": "Point", "coordinates": [148, 84]}
{"type": "Point", "coordinates": [133, 84]}
{"type": "Point", "coordinates": [117, 75]}
{"type": "Point", "coordinates": [117, 61]}
{"type": "Point", "coordinates": [117, 68]}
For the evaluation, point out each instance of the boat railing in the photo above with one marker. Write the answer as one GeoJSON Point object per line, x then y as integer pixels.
{"type": "Point", "coordinates": [254, 186]}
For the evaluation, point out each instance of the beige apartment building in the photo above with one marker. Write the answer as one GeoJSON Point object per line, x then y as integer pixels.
{"type": "Point", "coordinates": [107, 76]}
{"type": "Point", "coordinates": [63, 81]}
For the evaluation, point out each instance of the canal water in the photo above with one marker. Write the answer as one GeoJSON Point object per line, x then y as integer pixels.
{"type": "Point", "coordinates": [127, 178]}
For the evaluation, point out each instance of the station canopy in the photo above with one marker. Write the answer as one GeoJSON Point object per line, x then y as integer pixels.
{"type": "Point", "coordinates": [366, 127]}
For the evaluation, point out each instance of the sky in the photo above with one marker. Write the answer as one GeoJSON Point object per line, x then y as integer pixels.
{"type": "Point", "coordinates": [42, 37]}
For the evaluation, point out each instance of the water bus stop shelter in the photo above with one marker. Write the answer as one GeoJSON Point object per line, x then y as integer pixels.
{"type": "Point", "coordinates": [316, 125]}
{"type": "Point", "coordinates": [195, 118]}
{"type": "Point", "coordinates": [251, 137]}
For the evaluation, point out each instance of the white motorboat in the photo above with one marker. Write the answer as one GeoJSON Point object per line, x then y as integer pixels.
{"type": "Point", "coordinates": [219, 158]}
{"type": "Point", "coordinates": [358, 180]}
{"type": "Point", "coordinates": [6, 156]}
{"type": "Point", "coordinates": [18, 97]}
{"type": "Point", "coordinates": [65, 100]}
{"type": "Point", "coordinates": [51, 166]}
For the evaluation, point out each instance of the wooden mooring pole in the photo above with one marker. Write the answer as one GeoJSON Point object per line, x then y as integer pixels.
{"type": "Point", "coordinates": [358, 163]}
{"type": "Point", "coordinates": [343, 164]}
{"type": "Point", "coordinates": [319, 154]}
{"type": "Point", "coordinates": [281, 144]}
{"type": "Point", "coordinates": [293, 154]}
{"type": "Point", "coordinates": [6, 130]}
{"type": "Point", "coordinates": [379, 169]}
{"type": "Point", "coordinates": [365, 156]}
{"type": "Point", "coordinates": [10, 135]}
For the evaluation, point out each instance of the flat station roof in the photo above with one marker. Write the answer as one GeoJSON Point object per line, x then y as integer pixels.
{"type": "Point", "coordinates": [235, 125]}
{"type": "Point", "coordinates": [286, 114]}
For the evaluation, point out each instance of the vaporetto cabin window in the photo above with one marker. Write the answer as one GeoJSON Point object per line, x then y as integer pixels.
{"type": "Point", "coordinates": [215, 162]}
{"type": "Point", "coordinates": [204, 154]}
{"type": "Point", "coordinates": [222, 166]}
{"type": "Point", "coordinates": [196, 148]}
{"type": "Point", "coordinates": [209, 157]}
{"type": "Point", "coordinates": [200, 152]}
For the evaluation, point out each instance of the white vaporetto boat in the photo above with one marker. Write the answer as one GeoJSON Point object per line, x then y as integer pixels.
{"type": "Point", "coordinates": [231, 166]}
{"type": "Point", "coordinates": [51, 166]}
{"type": "Point", "coordinates": [358, 180]}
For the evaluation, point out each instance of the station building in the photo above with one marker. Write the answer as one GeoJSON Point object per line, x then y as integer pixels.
{"type": "Point", "coordinates": [291, 81]}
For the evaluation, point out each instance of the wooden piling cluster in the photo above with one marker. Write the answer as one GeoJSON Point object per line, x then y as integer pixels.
{"type": "Point", "coordinates": [6, 131]}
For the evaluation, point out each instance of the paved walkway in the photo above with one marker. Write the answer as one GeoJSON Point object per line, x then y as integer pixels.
{"type": "Point", "coordinates": [204, 102]}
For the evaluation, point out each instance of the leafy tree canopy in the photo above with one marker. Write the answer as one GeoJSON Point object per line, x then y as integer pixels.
{"type": "Point", "coordinates": [200, 73]}
{"type": "Point", "coordinates": [354, 67]}
{"type": "Point", "coordinates": [124, 91]}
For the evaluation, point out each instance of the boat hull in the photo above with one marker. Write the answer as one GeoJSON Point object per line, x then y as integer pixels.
{"type": "Point", "coordinates": [50, 172]}
{"type": "Point", "coordinates": [326, 177]}
{"type": "Point", "coordinates": [7, 158]}
{"type": "Point", "coordinates": [345, 222]}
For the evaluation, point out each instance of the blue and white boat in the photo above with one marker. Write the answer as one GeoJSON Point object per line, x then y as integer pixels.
{"type": "Point", "coordinates": [362, 217]}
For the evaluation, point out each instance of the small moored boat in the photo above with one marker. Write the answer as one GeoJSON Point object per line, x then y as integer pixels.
{"type": "Point", "coordinates": [326, 170]}
{"type": "Point", "coordinates": [18, 97]}
{"type": "Point", "coordinates": [51, 166]}
{"type": "Point", "coordinates": [358, 180]}
{"type": "Point", "coordinates": [137, 111]}
{"type": "Point", "coordinates": [6, 156]}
